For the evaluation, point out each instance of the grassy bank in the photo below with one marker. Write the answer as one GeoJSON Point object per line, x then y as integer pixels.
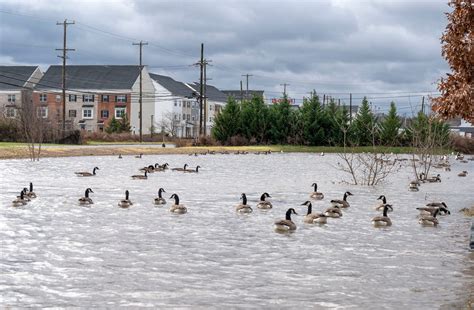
{"type": "Point", "coordinates": [10, 150]}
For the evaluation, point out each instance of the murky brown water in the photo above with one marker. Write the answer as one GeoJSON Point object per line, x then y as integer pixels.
{"type": "Point", "coordinates": [55, 253]}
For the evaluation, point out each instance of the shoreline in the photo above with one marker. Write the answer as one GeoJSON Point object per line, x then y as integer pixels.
{"type": "Point", "coordinates": [20, 150]}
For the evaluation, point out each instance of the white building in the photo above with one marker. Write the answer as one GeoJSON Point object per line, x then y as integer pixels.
{"type": "Point", "coordinates": [12, 80]}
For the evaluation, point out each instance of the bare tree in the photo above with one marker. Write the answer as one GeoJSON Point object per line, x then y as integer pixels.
{"type": "Point", "coordinates": [32, 124]}
{"type": "Point", "coordinates": [368, 168]}
{"type": "Point", "coordinates": [169, 124]}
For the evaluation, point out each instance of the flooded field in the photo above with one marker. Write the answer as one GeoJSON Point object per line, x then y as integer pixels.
{"type": "Point", "coordinates": [55, 253]}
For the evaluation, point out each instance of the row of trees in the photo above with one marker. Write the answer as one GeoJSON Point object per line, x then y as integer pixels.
{"type": "Point", "coordinates": [314, 124]}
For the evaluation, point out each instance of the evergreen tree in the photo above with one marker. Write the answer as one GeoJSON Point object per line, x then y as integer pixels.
{"type": "Point", "coordinates": [280, 116]}
{"type": "Point", "coordinates": [389, 127]}
{"type": "Point", "coordinates": [255, 122]}
{"type": "Point", "coordinates": [364, 127]}
{"type": "Point", "coordinates": [227, 122]}
{"type": "Point", "coordinates": [332, 123]}
{"type": "Point", "coordinates": [312, 120]}
{"type": "Point", "coordinates": [114, 126]}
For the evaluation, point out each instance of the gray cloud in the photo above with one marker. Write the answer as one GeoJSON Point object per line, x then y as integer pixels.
{"type": "Point", "coordinates": [331, 46]}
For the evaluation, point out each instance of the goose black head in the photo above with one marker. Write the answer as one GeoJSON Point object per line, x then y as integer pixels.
{"type": "Point", "coordinates": [145, 173]}
{"type": "Point", "coordinates": [95, 168]}
{"type": "Point", "coordinates": [349, 194]}
{"type": "Point", "coordinates": [310, 206]}
{"type": "Point", "coordinates": [161, 190]}
{"type": "Point", "coordinates": [151, 167]}
{"type": "Point", "coordinates": [244, 198]}
{"type": "Point", "coordinates": [185, 165]}
{"type": "Point", "coordinates": [31, 186]}
{"type": "Point", "coordinates": [127, 193]}
{"type": "Point", "coordinates": [88, 190]}
{"type": "Point", "coordinates": [444, 204]}
{"type": "Point", "coordinates": [176, 199]}
{"type": "Point", "coordinates": [265, 195]}
{"type": "Point", "coordinates": [25, 190]}
{"type": "Point", "coordinates": [22, 195]}
{"type": "Point", "coordinates": [382, 197]}
{"type": "Point", "coordinates": [289, 213]}
{"type": "Point", "coordinates": [315, 186]}
{"type": "Point", "coordinates": [157, 165]}
{"type": "Point", "coordinates": [197, 168]}
{"type": "Point", "coordinates": [444, 210]}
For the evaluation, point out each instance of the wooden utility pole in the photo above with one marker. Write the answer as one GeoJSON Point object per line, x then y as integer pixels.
{"type": "Point", "coordinates": [63, 73]}
{"type": "Point", "coordinates": [284, 88]}
{"type": "Point", "coordinates": [247, 89]}
{"type": "Point", "coordinates": [141, 43]}
{"type": "Point", "coordinates": [202, 64]}
{"type": "Point", "coordinates": [423, 104]}
{"type": "Point", "coordinates": [241, 93]}
{"type": "Point", "coordinates": [350, 108]}
{"type": "Point", "coordinates": [204, 96]}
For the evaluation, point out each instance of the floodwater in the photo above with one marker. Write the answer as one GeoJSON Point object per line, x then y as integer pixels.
{"type": "Point", "coordinates": [55, 253]}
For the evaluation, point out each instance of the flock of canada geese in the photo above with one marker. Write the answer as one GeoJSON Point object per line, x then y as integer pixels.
{"type": "Point", "coordinates": [428, 214]}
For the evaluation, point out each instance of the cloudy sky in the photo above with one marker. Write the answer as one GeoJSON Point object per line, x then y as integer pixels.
{"type": "Point", "coordinates": [387, 50]}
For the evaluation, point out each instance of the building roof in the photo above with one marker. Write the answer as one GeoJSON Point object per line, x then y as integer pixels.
{"type": "Point", "coordinates": [174, 87]}
{"type": "Point", "coordinates": [236, 94]}
{"type": "Point", "coordinates": [91, 77]}
{"type": "Point", "coordinates": [212, 92]}
{"type": "Point", "coordinates": [15, 77]}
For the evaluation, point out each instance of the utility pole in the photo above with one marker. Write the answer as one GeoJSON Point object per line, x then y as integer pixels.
{"type": "Point", "coordinates": [63, 73]}
{"type": "Point", "coordinates": [152, 128]}
{"type": "Point", "coordinates": [324, 99]}
{"type": "Point", "coordinates": [423, 105]}
{"type": "Point", "coordinates": [241, 93]}
{"type": "Point", "coordinates": [205, 102]}
{"type": "Point", "coordinates": [202, 64]}
{"type": "Point", "coordinates": [247, 90]}
{"type": "Point", "coordinates": [284, 88]}
{"type": "Point", "coordinates": [350, 108]}
{"type": "Point", "coordinates": [141, 43]}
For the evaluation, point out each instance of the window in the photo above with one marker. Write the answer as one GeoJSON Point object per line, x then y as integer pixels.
{"type": "Point", "coordinates": [210, 119]}
{"type": "Point", "coordinates": [72, 113]}
{"type": "Point", "coordinates": [175, 116]}
{"type": "Point", "coordinates": [11, 112]}
{"type": "Point", "coordinates": [193, 118]}
{"type": "Point", "coordinates": [43, 97]}
{"type": "Point", "coordinates": [42, 112]}
{"type": "Point", "coordinates": [189, 104]}
{"type": "Point", "coordinates": [180, 104]}
{"type": "Point", "coordinates": [184, 116]}
{"type": "Point", "coordinates": [176, 103]}
{"type": "Point", "coordinates": [88, 98]}
{"type": "Point", "coordinates": [104, 114]}
{"type": "Point", "coordinates": [58, 98]}
{"type": "Point", "coordinates": [121, 98]}
{"type": "Point", "coordinates": [11, 98]}
{"type": "Point", "coordinates": [72, 98]}
{"type": "Point", "coordinates": [119, 112]}
{"type": "Point", "coordinates": [210, 107]}
{"type": "Point", "coordinates": [87, 113]}
{"type": "Point", "coordinates": [188, 117]}
{"type": "Point", "coordinates": [105, 98]}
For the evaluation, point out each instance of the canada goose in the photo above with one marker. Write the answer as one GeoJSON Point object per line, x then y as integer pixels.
{"type": "Point", "coordinates": [429, 220]}
{"type": "Point", "coordinates": [180, 169]}
{"type": "Point", "coordinates": [316, 195]}
{"type": "Point", "coordinates": [440, 205]}
{"type": "Point", "coordinates": [413, 187]}
{"type": "Point", "coordinates": [342, 203]}
{"type": "Point", "coordinates": [125, 203]}
{"type": "Point", "coordinates": [286, 224]}
{"type": "Point", "coordinates": [25, 194]}
{"type": "Point", "coordinates": [192, 170]}
{"type": "Point", "coordinates": [382, 205]}
{"type": "Point", "coordinates": [263, 204]}
{"type": "Point", "coordinates": [433, 179]}
{"type": "Point", "coordinates": [177, 208]}
{"type": "Point", "coordinates": [243, 207]}
{"type": "Point", "coordinates": [86, 200]}
{"type": "Point", "coordinates": [462, 174]}
{"type": "Point", "coordinates": [31, 193]}
{"type": "Point", "coordinates": [139, 156]}
{"type": "Point", "coordinates": [140, 177]}
{"type": "Point", "coordinates": [120, 156]}
{"type": "Point", "coordinates": [431, 210]}
{"type": "Point", "coordinates": [334, 212]}
{"type": "Point", "coordinates": [383, 220]}
{"type": "Point", "coordinates": [159, 167]}
{"type": "Point", "coordinates": [160, 200]}
{"type": "Point", "coordinates": [20, 200]}
{"type": "Point", "coordinates": [87, 174]}
{"type": "Point", "coordinates": [149, 169]}
{"type": "Point", "coordinates": [313, 218]}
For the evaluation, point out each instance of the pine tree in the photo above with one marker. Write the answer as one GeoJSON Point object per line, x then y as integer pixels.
{"type": "Point", "coordinates": [312, 119]}
{"type": "Point", "coordinates": [280, 116]}
{"type": "Point", "coordinates": [364, 128]}
{"type": "Point", "coordinates": [227, 122]}
{"type": "Point", "coordinates": [390, 126]}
